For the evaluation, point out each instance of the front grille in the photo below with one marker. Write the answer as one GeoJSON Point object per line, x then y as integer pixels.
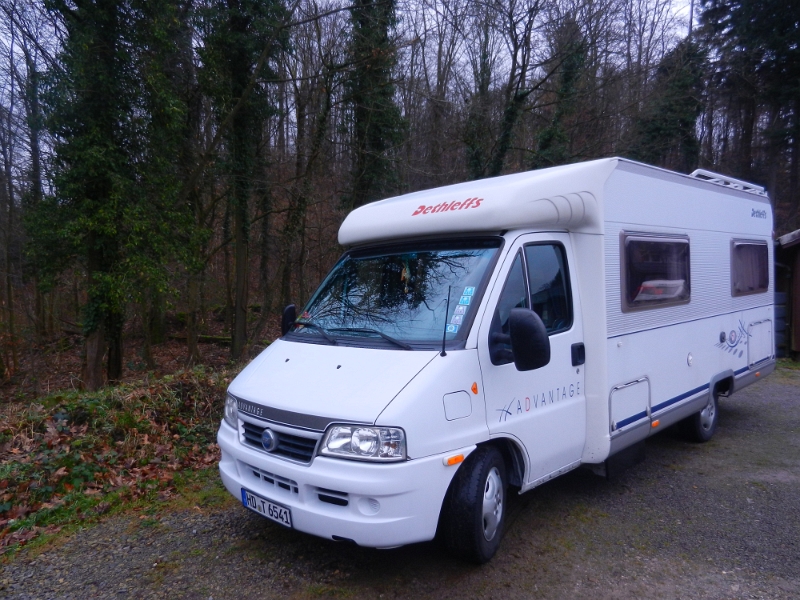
{"type": "Point", "coordinates": [290, 485]}
{"type": "Point", "coordinates": [294, 447]}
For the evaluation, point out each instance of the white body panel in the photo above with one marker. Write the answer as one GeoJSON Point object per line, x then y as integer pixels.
{"type": "Point", "coordinates": [320, 380]}
{"type": "Point", "coordinates": [645, 368]}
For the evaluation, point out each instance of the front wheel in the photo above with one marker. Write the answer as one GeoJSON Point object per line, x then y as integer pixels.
{"type": "Point", "coordinates": [700, 427]}
{"type": "Point", "coordinates": [474, 510]}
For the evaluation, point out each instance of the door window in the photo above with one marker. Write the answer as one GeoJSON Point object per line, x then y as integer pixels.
{"type": "Point", "coordinates": [545, 289]}
{"type": "Point", "coordinates": [515, 295]}
{"type": "Point", "coordinates": [547, 278]}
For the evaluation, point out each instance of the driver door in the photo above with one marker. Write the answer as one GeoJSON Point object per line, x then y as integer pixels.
{"type": "Point", "coordinates": [543, 409]}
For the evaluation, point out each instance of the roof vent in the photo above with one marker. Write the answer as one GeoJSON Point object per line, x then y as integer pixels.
{"type": "Point", "coordinates": [729, 182]}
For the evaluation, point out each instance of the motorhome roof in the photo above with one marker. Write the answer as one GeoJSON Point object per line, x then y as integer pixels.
{"type": "Point", "coordinates": [560, 197]}
{"type": "Point", "coordinates": [567, 197]}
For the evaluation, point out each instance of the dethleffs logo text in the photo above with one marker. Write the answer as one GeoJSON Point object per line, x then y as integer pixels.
{"type": "Point", "coordinates": [445, 206]}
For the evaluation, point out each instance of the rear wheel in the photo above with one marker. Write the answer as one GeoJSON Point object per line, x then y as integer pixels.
{"type": "Point", "coordinates": [700, 427]}
{"type": "Point", "coordinates": [474, 510]}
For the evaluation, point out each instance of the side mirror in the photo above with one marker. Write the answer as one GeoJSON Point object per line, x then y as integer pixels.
{"type": "Point", "coordinates": [529, 341]}
{"type": "Point", "coordinates": [288, 318]}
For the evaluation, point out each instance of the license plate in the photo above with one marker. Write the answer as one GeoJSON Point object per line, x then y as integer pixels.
{"type": "Point", "coordinates": [276, 512]}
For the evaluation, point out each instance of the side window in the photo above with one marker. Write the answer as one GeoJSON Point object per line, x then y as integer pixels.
{"type": "Point", "coordinates": [549, 285]}
{"type": "Point", "coordinates": [515, 295]}
{"type": "Point", "coordinates": [655, 271]}
{"type": "Point", "coordinates": [749, 267]}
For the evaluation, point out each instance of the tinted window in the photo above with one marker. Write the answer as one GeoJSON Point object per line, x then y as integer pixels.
{"type": "Point", "coordinates": [656, 271]}
{"type": "Point", "coordinates": [547, 279]}
{"type": "Point", "coordinates": [515, 295]}
{"type": "Point", "coordinates": [545, 290]}
{"type": "Point", "coordinates": [749, 268]}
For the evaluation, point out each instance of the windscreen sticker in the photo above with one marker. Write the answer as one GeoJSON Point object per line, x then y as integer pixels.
{"type": "Point", "coordinates": [465, 300]}
{"type": "Point", "coordinates": [452, 329]}
{"type": "Point", "coordinates": [460, 310]}
{"type": "Point", "coordinates": [457, 319]}
{"type": "Point", "coordinates": [469, 291]}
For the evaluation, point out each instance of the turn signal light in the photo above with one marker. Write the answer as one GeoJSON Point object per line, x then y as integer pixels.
{"type": "Point", "coordinates": [475, 388]}
{"type": "Point", "coordinates": [655, 423]}
{"type": "Point", "coordinates": [453, 460]}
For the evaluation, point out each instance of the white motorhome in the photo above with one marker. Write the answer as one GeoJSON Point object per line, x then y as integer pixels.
{"type": "Point", "coordinates": [496, 334]}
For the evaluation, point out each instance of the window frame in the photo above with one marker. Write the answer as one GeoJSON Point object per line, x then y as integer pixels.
{"type": "Point", "coordinates": [736, 242]}
{"type": "Point", "coordinates": [645, 236]}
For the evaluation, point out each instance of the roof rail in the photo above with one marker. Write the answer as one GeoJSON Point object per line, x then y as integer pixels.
{"type": "Point", "coordinates": [730, 182]}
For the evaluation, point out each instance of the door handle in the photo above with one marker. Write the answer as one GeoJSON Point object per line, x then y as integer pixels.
{"type": "Point", "coordinates": [578, 354]}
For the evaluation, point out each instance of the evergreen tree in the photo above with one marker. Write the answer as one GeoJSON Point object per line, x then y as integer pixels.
{"type": "Point", "coordinates": [90, 106]}
{"type": "Point", "coordinates": [377, 123]}
{"type": "Point", "coordinates": [756, 69]}
{"type": "Point", "coordinates": [241, 34]}
{"type": "Point", "coordinates": [115, 118]}
{"type": "Point", "coordinates": [664, 133]}
{"type": "Point", "coordinates": [553, 147]}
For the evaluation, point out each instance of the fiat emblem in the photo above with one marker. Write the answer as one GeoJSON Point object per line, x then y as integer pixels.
{"type": "Point", "coordinates": [269, 439]}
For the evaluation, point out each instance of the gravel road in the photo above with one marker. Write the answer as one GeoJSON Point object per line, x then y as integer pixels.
{"type": "Point", "coordinates": [718, 520]}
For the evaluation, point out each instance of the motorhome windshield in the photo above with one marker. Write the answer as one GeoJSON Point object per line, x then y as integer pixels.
{"type": "Point", "coordinates": [398, 296]}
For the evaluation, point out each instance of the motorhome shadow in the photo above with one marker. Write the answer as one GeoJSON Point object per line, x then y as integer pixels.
{"type": "Point", "coordinates": [486, 337]}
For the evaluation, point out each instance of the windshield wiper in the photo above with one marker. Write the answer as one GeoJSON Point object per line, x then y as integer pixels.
{"type": "Point", "coordinates": [388, 338]}
{"type": "Point", "coordinates": [320, 328]}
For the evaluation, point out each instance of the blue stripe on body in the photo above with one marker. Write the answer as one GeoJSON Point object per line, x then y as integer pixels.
{"type": "Point", "coordinates": [630, 420]}
{"type": "Point", "coordinates": [683, 396]}
{"type": "Point", "coordinates": [671, 401]}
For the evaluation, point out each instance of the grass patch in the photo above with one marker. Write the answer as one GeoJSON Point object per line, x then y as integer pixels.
{"type": "Point", "coordinates": [72, 457]}
{"type": "Point", "coordinates": [788, 363]}
{"type": "Point", "coordinates": [329, 591]}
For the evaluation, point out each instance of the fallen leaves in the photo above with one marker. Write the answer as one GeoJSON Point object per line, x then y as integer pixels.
{"type": "Point", "coordinates": [129, 440]}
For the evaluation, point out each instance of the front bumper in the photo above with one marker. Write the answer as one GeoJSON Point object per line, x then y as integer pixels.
{"type": "Point", "coordinates": [374, 505]}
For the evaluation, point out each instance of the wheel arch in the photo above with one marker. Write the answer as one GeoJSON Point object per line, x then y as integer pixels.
{"type": "Point", "coordinates": [513, 458]}
{"type": "Point", "coordinates": [722, 384]}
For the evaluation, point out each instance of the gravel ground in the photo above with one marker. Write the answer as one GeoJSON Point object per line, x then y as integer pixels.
{"type": "Point", "coordinates": [717, 520]}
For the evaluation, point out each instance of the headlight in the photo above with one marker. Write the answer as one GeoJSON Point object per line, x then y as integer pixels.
{"type": "Point", "coordinates": [231, 411]}
{"type": "Point", "coordinates": [360, 442]}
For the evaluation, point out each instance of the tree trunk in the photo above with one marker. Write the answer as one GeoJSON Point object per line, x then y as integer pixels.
{"type": "Point", "coordinates": [8, 206]}
{"type": "Point", "coordinates": [192, 321]}
{"type": "Point", "coordinates": [35, 125]}
{"type": "Point", "coordinates": [226, 255]}
{"type": "Point", "coordinates": [746, 138]}
{"type": "Point", "coordinates": [115, 321]}
{"type": "Point", "coordinates": [94, 350]}
{"type": "Point", "coordinates": [239, 338]}
{"type": "Point", "coordinates": [152, 315]}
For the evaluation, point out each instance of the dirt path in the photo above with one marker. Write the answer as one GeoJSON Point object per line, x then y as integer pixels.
{"type": "Point", "coordinates": [720, 520]}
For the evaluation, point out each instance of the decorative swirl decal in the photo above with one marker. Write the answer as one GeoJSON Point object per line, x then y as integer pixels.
{"type": "Point", "coordinates": [735, 341]}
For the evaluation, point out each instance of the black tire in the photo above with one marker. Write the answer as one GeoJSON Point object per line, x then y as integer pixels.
{"type": "Point", "coordinates": [474, 511]}
{"type": "Point", "coordinates": [700, 427]}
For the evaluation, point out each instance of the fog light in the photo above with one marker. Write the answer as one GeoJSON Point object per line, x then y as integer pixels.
{"type": "Point", "coordinates": [369, 506]}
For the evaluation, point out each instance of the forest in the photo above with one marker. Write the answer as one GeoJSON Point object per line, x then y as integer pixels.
{"type": "Point", "coordinates": [178, 169]}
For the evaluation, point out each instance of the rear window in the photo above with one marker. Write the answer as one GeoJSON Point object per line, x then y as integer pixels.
{"type": "Point", "coordinates": [749, 267]}
{"type": "Point", "coordinates": [655, 270]}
